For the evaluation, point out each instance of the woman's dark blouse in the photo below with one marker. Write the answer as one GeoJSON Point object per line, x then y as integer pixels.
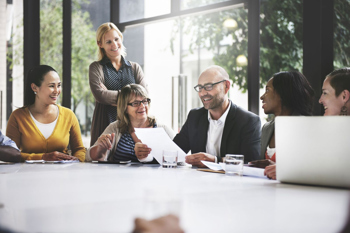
{"type": "Point", "coordinates": [116, 80]}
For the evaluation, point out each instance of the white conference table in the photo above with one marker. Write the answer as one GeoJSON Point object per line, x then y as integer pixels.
{"type": "Point", "coordinates": [90, 197]}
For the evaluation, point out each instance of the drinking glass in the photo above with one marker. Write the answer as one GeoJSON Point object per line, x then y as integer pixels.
{"type": "Point", "coordinates": [169, 158]}
{"type": "Point", "coordinates": [234, 164]}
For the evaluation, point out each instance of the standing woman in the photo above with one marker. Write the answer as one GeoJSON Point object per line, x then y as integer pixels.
{"type": "Point", "coordinates": [109, 75]}
{"type": "Point", "coordinates": [42, 129]}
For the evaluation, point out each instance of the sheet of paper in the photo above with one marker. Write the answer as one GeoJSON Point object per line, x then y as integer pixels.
{"type": "Point", "coordinates": [35, 161]}
{"type": "Point", "coordinates": [253, 171]}
{"type": "Point", "coordinates": [247, 171]}
{"type": "Point", "coordinates": [213, 166]}
{"type": "Point", "coordinates": [250, 171]}
{"type": "Point", "coordinates": [63, 161]}
{"type": "Point", "coordinates": [43, 161]}
{"type": "Point", "coordinates": [158, 140]}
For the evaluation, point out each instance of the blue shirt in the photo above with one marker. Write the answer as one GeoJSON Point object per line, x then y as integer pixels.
{"type": "Point", "coordinates": [6, 141]}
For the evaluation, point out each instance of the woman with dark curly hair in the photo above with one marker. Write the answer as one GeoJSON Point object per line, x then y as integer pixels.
{"type": "Point", "coordinates": [287, 93]}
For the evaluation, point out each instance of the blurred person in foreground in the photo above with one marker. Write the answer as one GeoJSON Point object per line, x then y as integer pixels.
{"type": "Point", "coordinates": [166, 224]}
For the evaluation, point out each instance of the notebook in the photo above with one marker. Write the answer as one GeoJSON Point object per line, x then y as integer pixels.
{"type": "Point", "coordinates": [313, 150]}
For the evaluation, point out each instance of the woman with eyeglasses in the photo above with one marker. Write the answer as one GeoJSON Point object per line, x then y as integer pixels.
{"type": "Point", "coordinates": [118, 140]}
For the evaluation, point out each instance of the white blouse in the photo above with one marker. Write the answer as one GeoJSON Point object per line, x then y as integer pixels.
{"type": "Point", "coordinates": [45, 129]}
{"type": "Point", "coordinates": [270, 151]}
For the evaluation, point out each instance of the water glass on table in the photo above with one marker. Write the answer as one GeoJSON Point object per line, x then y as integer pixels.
{"type": "Point", "coordinates": [170, 158]}
{"type": "Point", "coordinates": [234, 164]}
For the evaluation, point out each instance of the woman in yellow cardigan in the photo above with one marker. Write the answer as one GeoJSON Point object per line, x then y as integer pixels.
{"type": "Point", "coordinates": [42, 129]}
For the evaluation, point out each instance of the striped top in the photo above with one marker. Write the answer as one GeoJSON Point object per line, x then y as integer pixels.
{"type": "Point", "coordinates": [125, 148]}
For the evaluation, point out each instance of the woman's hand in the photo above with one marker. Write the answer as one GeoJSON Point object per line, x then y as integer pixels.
{"type": "Point", "coordinates": [104, 142]}
{"type": "Point", "coordinates": [270, 172]}
{"type": "Point", "coordinates": [261, 163]}
{"type": "Point", "coordinates": [141, 150]}
{"type": "Point", "coordinates": [57, 156]}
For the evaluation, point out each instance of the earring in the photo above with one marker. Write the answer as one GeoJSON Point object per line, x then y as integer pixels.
{"type": "Point", "coordinates": [35, 92]}
{"type": "Point", "coordinates": [344, 111]}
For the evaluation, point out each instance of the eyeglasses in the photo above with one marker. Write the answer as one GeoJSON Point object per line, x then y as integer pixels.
{"type": "Point", "coordinates": [207, 87]}
{"type": "Point", "coordinates": [138, 103]}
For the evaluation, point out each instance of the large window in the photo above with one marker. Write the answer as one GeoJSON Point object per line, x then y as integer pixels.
{"type": "Point", "coordinates": [140, 9]}
{"type": "Point", "coordinates": [281, 40]}
{"type": "Point", "coordinates": [86, 18]}
{"type": "Point", "coordinates": [186, 46]}
{"type": "Point", "coordinates": [51, 40]}
{"type": "Point", "coordinates": [188, 4]}
{"type": "Point", "coordinates": [158, 61]}
{"type": "Point", "coordinates": [11, 58]}
{"type": "Point", "coordinates": [169, 38]}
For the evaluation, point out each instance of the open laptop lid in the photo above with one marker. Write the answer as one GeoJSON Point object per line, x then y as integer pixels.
{"type": "Point", "coordinates": [313, 150]}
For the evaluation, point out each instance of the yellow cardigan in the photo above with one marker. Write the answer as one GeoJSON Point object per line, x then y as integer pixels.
{"type": "Point", "coordinates": [22, 129]}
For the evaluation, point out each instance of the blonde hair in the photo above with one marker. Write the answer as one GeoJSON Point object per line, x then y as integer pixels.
{"type": "Point", "coordinates": [101, 32]}
{"type": "Point", "coordinates": [127, 93]}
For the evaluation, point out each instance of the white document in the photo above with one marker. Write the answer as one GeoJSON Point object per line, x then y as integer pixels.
{"type": "Point", "coordinates": [247, 171]}
{"type": "Point", "coordinates": [158, 140]}
{"type": "Point", "coordinates": [213, 166]}
{"type": "Point", "coordinates": [253, 171]}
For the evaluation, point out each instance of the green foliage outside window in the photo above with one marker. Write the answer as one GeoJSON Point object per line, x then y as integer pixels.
{"type": "Point", "coordinates": [281, 37]}
{"type": "Point", "coordinates": [84, 49]}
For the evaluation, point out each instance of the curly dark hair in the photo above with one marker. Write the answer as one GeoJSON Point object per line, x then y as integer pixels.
{"type": "Point", "coordinates": [295, 91]}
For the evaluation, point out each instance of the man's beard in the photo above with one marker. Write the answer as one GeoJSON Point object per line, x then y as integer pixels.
{"type": "Point", "coordinates": [215, 101]}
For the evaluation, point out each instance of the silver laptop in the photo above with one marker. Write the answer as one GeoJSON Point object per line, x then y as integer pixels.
{"type": "Point", "coordinates": [313, 150]}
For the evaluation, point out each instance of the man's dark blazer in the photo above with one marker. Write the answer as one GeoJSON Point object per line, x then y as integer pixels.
{"type": "Point", "coordinates": [241, 133]}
